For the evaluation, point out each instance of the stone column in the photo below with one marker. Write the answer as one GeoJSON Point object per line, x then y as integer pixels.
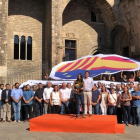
{"type": "Point", "coordinates": [57, 31]}
{"type": "Point", "coordinates": [3, 40]}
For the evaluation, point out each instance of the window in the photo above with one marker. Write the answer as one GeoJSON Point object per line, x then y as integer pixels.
{"type": "Point", "coordinates": [126, 52]}
{"type": "Point", "coordinates": [22, 48]}
{"type": "Point", "coordinates": [70, 50]}
{"type": "Point", "coordinates": [70, 44]}
{"type": "Point", "coordinates": [70, 54]}
{"type": "Point", "coordinates": [29, 48]}
{"type": "Point", "coordinates": [16, 47]}
{"type": "Point", "coordinates": [93, 17]}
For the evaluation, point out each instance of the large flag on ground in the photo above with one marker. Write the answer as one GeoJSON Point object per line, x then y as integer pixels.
{"type": "Point", "coordinates": [97, 64]}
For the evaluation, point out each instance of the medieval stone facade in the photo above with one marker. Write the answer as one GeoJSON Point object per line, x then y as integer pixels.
{"type": "Point", "coordinates": [63, 30]}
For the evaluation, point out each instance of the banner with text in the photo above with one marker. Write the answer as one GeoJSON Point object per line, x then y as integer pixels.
{"type": "Point", "coordinates": [44, 82]}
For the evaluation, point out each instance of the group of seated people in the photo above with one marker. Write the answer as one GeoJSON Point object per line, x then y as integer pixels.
{"type": "Point", "coordinates": [82, 97]}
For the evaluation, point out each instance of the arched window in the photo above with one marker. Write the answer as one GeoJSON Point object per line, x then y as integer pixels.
{"type": "Point", "coordinates": [16, 47]}
{"type": "Point", "coordinates": [29, 48]}
{"type": "Point", "coordinates": [22, 48]}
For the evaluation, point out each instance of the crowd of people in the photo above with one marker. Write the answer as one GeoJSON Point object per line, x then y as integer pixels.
{"type": "Point", "coordinates": [82, 97]}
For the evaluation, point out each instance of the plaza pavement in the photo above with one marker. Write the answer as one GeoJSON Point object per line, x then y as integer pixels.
{"type": "Point", "coordinates": [20, 131]}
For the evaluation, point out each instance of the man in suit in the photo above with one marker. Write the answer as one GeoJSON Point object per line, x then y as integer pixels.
{"type": "Point", "coordinates": [6, 102]}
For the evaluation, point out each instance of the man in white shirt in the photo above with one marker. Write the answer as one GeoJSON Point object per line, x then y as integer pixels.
{"type": "Point", "coordinates": [99, 86]}
{"type": "Point", "coordinates": [69, 87]}
{"type": "Point", "coordinates": [131, 87]}
{"type": "Point", "coordinates": [65, 96]}
{"type": "Point", "coordinates": [46, 96]}
{"type": "Point", "coordinates": [88, 93]}
{"type": "Point", "coordinates": [118, 92]}
{"type": "Point", "coordinates": [34, 88]}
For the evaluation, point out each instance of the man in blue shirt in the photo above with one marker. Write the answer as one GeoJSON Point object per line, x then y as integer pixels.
{"type": "Point", "coordinates": [16, 96]}
{"type": "Point", "coordinates": [28, 97]}
{"type": "Point", "coordinates": [96, 96]}
{"type": "Point", "coordinates": [136, 106]}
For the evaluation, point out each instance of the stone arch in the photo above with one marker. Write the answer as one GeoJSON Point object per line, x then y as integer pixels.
{"type": "Point", "coordinates": [102, 7]}
{"type": "Point", "coordinates": [69, 15]}
{"type": "Point", "coordinates": [120, 40]}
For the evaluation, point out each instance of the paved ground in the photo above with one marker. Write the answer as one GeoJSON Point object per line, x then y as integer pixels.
{"type": "Point", "coordinates": [19, 131]}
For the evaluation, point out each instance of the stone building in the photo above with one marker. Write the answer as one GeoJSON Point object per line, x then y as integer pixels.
{"type": "Point", "coordinates": [35, 35]}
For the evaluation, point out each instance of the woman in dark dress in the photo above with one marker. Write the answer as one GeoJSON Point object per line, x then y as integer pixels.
{"type": "Point", "coordinates": [78, 87]}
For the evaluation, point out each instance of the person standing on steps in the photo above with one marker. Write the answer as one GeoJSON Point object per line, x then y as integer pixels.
{"type": "Point", "coordinates": [78, 87]}
{"type": "Point", "coordinates": [88, 93]}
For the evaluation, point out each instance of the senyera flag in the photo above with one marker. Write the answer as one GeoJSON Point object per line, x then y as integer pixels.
{"type": "Point", "coordinates": [97, 64]}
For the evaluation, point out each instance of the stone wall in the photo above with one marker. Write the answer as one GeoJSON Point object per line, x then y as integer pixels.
{"type": "Point", "coordinates": [3, 40]}
{"type": "Point", "coordinates": [26, 18]}
{"type": "Point", "coordinates": [129, 18]}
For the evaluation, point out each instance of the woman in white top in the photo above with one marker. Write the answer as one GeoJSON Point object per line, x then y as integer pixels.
{"type": "Point", "coordinates": [55, 100]}
{"type": "Point", "coordinates": [104, 98]}
{"type": "Point", "coordinates": [112, 100]}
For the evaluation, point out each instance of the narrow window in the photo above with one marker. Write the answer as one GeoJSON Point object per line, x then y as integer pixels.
{"type": "Point", "coordinates": [93, 17]}
{"type": "Point", "coordinates": [126, 52]}
{"type": "Point", "coordinates": [29, 48]}
{"type": "Point", "coordinates": [22, 48]}
{"type": "Point", "coordinates": [16, 47]}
